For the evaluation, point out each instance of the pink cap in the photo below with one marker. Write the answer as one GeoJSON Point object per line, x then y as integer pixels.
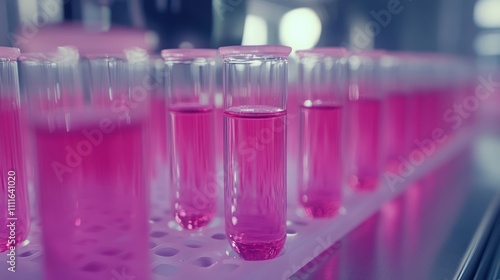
{"type": "Point", "coordinates": [187, 54]}
{"type": "Point", "coordinates": [323, 52]}
{"type": "Point", "coordinates": [88, 42]}
{"type": "Point", "coordinates": [235, 51]}
{"type": "Point", "coordinates": [9, 53]}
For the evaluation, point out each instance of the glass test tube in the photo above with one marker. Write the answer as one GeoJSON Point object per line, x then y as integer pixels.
{"type": "Point", "coordinates": [158, 113]}
{"type": "Point", "coordinates": [14, 210]}
{"type": "Point", "coordinates": [322, 89]}
{"type": "Point", "coordinates": [91, 181]}
{"type": "Point", "coordinates": [255, 85]}
{"type": "Point", "coordinates": [397, 85]}
{"type": "Point", "coordinates": [189, 82]}
{"type": "Point", "coordinates": [363, 132]}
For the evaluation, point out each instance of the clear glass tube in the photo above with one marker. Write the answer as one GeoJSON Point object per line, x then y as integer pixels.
{"type": "Point", "coordinates": [158, 113]}
{"type": "Point", "coordinates": [189, 83]}
{"type": "Point", "coordinates": [364, 112]}
{"type": "Point", "coordinates": [397, 85]}
{"type": "Point", "coordinates": [255, 85]}
{"type": "Point", "coordinates": [323, 89]}
{"type": "Point", "coordinates": [92, 186]}
{"type": "Point", "coordinates": [14, 210]}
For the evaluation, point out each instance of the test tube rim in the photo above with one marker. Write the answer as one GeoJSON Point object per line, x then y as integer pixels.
{"type": "Point", "coordinates": [188, 54]}
{"type": "Point", "coordinates": [252, 51]}
{"type": "Point", "coordinates": [320, 52]}
{"type": "Point", "coordinates": [9, 53]}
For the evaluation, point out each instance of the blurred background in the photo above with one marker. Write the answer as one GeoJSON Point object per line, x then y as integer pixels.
{"type": "Point", "coordinates": [467, 27]}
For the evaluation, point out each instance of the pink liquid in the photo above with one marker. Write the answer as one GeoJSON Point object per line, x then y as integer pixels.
{"type": "Point", "coordinates": [431, 112]}
{"type": "Point", "coordinates": [193, 165]}
{"type": "Point", "coordinates": [93, 196]}
{"type": "Point", "coordinates": [396, 138]}
{"type": "Point", "coordinates": [320, 160]}
{"type": "Point", "coordinates": [363, 142]}
{"type": "Point", "coordinates": [255, 180]}
{"type": "Point", "coordinates": [13, 170]}
{"type": "Point", "coordinates": [416, 120]}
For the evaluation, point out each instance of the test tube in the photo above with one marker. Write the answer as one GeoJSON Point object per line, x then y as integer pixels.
{"type": "Point", "coordinates": [255, 85]}
{"type": "Point", "coordinates": [189, 82]}
{"type": "Point", "coordinates": [14, 210]}
{"type": "Point", "coordinates": [323, 89]}
{"type": "Point", "coordinates": [364, 112]}
{"type": "Point", "coordinates": [397, 85]}
{"type": "Point", "coordinates": [92, 186]}
{"type": "Point", "coordinates": [158, 111]}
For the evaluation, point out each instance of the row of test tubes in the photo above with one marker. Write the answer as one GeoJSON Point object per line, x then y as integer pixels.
{"type": "Point", "coordinates": [370, 118]}
{"type": "Point", "coordinates": [100, 127]}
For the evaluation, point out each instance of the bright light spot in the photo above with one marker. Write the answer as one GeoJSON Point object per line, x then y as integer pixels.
{"type": "Point", "coordinates": [219, 100]}
{"type": "Point", "coordinates": [255, 31]}
{"type": "Point", "coordinates": [135, 55]}
{"type": "Point", "coordinates": [354, 62]}
{"type": "Point", "coordinates": [487, 13]}
{"type": "Point", "coordinates": [25, 243]}
{"type": "Point", "coordinates": [300, 28]}
{"type": "Point", "coordinates": [487, 44]}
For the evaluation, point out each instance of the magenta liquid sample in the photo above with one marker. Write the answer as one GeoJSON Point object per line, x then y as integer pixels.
{"type": "Point", "coordinates": [363, 152]}
{"type": "Point", "coordinates": [320, 159]}
{"type": "Point", "coordinates": [396, 140]}
{"type": "Point", "coordinates": [13, 186]}
{"type": "Point", "coordinates": [92, 195]}
{"type": "Point", "coordinates": [255, 183]}
{"type": "Point", "coordinates": [193, 164]}
{"type": "Point", "coordinates": [416, 119]}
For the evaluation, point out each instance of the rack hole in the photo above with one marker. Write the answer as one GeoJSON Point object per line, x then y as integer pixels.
{"type": "Point", "coordinates": [156, 219]}
{"type": "Point", "coordinates": [219, 236]}
{"type": "Point", "coordinates": [203, 262]}
{"type": "Point", "coordinates": [167, 252]}
{"type": "Point", "coordinates": [27, 253]}
{"type": "Point", "coordinates": [193, 244]}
